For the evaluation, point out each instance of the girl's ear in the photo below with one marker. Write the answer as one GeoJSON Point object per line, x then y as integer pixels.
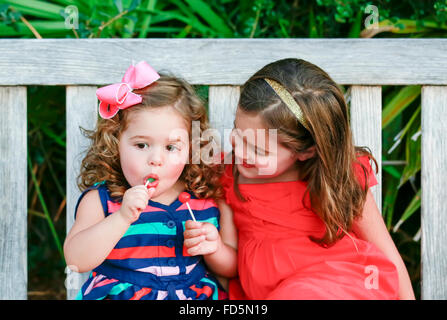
{"type": "Point", "coordinates": [306, 154]}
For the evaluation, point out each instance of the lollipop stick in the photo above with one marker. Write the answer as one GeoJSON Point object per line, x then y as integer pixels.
{"type": "Point", "coordinates": [190, 211]}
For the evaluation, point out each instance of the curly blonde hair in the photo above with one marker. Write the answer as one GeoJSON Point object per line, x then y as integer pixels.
{"type": "Point", "coordinates": [102, 161]}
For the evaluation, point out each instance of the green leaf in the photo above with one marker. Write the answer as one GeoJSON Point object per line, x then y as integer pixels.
{"type": "Point", "coordinates": [51, 134]}
{"type": "Point", "coordinates": [392, 171]}
{"type": "Point", "coordinates": [45, 210]}
{"type": "Point", "coordinates": [399, 103]}
{"type": "Point", "coordinates": [207, 14]}
{"type": "Point", "coordinates": [356, 26]}
{"type": "Point", "coordinates": [389, 200]}
{"type": "Point", "coordinates": [400, 136]}
{"type": "Point", "coordinates": [282, 25]}
{"type": "Point", "coordinates": [184, 32]}
{"type": "Point", "coordinates": [119, 5]}
{"type": "Point", "coordinates": [414, 205]}
{"type": "Point", "coordinates": [313, 32]}
{"type": "Point", "coordinates": [176, 15]}
{"type": "Point", "coordinates": [412, 154]}
{"type": "Point", "coordinates": [39, 9]}
{"type": "Point", "coordinates": [147, 19]}
{"type": "Point", "coordinates": [164, 30]}
{"type": "Point", "coordinates": [43, 27]}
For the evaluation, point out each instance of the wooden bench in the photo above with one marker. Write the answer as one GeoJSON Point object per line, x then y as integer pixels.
{"type": "Point", "coordinates": [83, 65]}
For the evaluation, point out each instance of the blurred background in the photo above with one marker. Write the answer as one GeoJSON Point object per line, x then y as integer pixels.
{"type": "Point", "coordinates": [401, 116]}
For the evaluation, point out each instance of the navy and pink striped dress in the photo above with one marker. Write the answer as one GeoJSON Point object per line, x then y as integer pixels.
{"type": "Point", "coordinates": [149, 261]}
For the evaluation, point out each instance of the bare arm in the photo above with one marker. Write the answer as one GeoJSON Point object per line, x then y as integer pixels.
{"type": "Point", "coordinates": [218, 249]}
{"type": "Point", "coordinates": [371, 227]}
{"type": "Point", "coordinates": [224, 260]}
{"type": "Point", "coordinates": [93, 236]}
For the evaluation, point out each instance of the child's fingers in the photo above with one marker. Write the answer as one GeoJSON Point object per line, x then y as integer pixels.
{"type": "Point", "coordinates": [193, 241]}
{"type": "Point", "coordinates": [141, 200]}
{"type": "Point", "coordinates": [190, 224]}
{"type": "Point", "coordinates": [141, 192]}
{"type": "Point", "coordinates": [211, 231]}
{"type": "Point", "coordinates": [139, 206]}
{"type": "Point", "coordinates": [192, 233]}
{"type": "Point", "coordinates": [195, 250]}
{"type": "Point", "coordinates": [140, 188]}
{"type": "Point", "coordinates": [202, 248]}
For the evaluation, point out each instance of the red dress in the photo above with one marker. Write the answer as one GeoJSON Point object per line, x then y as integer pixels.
{"type": "Point", "coordinates": [277, 260]}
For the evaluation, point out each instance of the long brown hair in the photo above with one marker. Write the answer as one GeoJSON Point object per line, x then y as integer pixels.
{"type": "Point", "coordinates": [335, 193]}
{"type": "Point", "coordinates": [102, 161]}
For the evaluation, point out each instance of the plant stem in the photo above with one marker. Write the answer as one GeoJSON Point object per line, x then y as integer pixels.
{"type": "Point", "coordinates": [102, 27]}
{"type": "Point", "coordinates": [33, 30]}
{"type": "Point", "coordinates": [258, 12]}
{"type": "Point", "coordinates": [45, 210]}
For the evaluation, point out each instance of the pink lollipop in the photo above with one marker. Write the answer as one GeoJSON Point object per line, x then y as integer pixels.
{"type": "Point", "coordinates": [184, 198]}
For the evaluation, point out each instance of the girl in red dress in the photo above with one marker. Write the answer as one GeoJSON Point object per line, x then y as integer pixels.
{"type": "Point", "coordinates": [307, 224]}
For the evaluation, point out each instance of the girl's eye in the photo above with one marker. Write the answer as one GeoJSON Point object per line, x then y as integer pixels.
{"type": "Point", "coordinates": [171, 148]}
{"type": "Point", "coordinates": [142, 145]}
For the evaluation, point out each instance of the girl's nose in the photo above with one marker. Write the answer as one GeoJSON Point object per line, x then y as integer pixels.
{"type": "Point", "coordinates": [155, 162]}
{"type": "Point", "coordinates": [155, 158]}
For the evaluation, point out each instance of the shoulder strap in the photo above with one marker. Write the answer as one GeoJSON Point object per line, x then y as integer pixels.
{"type": "Point", "coordinates": [103, 196]}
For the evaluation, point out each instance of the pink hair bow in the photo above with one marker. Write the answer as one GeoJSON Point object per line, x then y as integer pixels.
{"type": "Point", "coordinates": [119, 95]}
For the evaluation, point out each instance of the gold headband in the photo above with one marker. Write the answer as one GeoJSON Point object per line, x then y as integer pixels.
{"type": "Point", "coordinates": [287, 98]}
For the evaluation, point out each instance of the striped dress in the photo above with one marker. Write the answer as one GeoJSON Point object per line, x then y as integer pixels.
{"type": "Point", "coordinates": [149, 261]}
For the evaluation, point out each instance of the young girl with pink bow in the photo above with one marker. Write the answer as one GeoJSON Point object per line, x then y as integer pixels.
{"type": "Point", "coordinates": [130, 223]}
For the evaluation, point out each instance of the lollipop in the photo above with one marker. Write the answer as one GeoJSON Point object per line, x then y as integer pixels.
{"type": "Point", "coordinates": [149, 181]}
{"type": "Point", "coordinates": [184, 198]}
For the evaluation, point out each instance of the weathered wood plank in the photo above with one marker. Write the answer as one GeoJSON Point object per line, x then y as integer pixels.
{"type": "Point", "coordinates": [220, 61]}
{"type": "Point", "coordinates": [366, 124]}
{"type": "Point", "coordinates": [222, 106]}
{"type": "Point", "coordinates": [81, 111]}
{"type": "Point", "coordinates": [13, 195]}
{"type": "Point", "coordinates": [434, 193]}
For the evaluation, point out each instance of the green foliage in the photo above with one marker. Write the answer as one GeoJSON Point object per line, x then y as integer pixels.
{"type": "Point", "coordinates": [46, 189]}
{"type": "Point", "coordinates": [219, 18]}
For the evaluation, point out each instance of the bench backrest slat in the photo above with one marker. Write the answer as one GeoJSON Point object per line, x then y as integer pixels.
{"type": "Point", "coordinates": [81, 111]}
{"type": "Point", "coordinates": [222, 103]}
{"type": "Point", "coordinates": [221, 61]}
{"type": "Point", "coordinates": [366, 124]}
{"type": "Point", "coordinates": [434, 195]}
{"type": "Point", "coordinates": [13, 193]}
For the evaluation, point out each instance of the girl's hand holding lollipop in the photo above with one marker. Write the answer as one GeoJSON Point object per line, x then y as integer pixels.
{"type": "Point", "coordinates": [201, 238]}
{"type": "Point", "coordinates": [134, 202]}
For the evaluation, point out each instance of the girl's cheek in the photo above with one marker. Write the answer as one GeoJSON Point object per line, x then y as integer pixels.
{"type": "Point", "coordinates": [176, 159]}
{"type": "Point", "coordinates": [176, 163]}
{"type": "Point", "coordinates": [263, 161]}
{"type": "Point", "coordinates": [267, 166]}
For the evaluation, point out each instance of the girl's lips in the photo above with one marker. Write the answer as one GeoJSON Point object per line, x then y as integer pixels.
{"type": "Point", "coordinates": [154, 183]}
{"type": "Point", "coordinates": [246, 165]}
